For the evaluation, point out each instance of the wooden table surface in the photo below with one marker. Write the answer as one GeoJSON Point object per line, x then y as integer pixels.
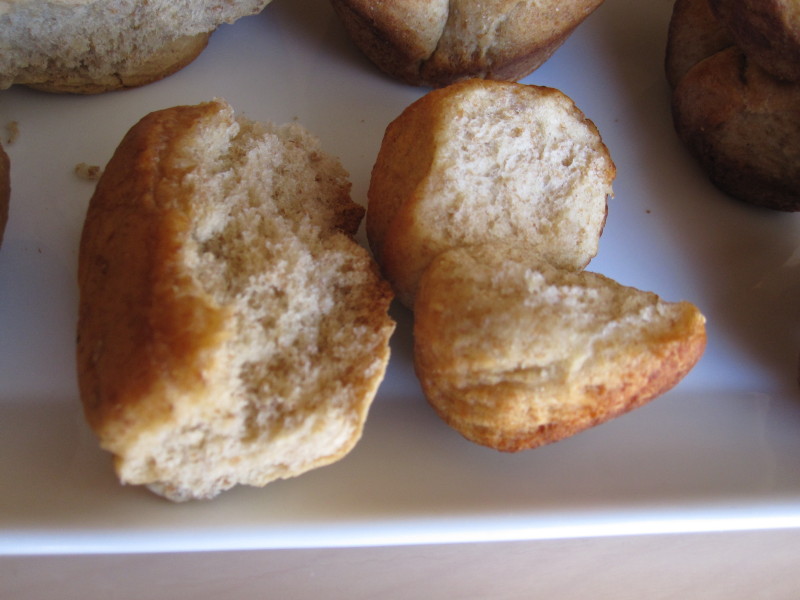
{"type": "Point", "coordinates": [725, 566]}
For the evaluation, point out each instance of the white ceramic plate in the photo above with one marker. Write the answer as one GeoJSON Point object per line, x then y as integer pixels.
{"type": "Point", "coordinates": [719, 452]}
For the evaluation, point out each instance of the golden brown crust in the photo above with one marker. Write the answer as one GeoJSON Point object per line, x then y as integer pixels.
{"type": "Point", "coordinates": [743, 126]}
{"type": "Point", "coordinates": [509, 371]}
{"type": "Point", "coordinates": [166, 61]}
{"type": "Point", "coordinates": [138, 338]}
{"type": "Point", "coordinates": [5, 190]}
{"type": "Point", "coordinates": [768, 31]}
{"type": "Point", "coordinates": [437, 43]}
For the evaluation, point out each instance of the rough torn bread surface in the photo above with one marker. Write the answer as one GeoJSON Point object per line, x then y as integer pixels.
{"type": "Point", "coordinates": [93, 46]}
{"type": "Point", "coordinates": [514, 353]}
{"type": "Point", "coordinates": [482, 160]}
{"type": "Point", "coordinates": [231, 331]}
{"type": "Point", "coordinates": [5, 190]}
{"type": "Point", "coordinates": [437, 42]}
{"type": "Point", "coordinates": [768, 31]}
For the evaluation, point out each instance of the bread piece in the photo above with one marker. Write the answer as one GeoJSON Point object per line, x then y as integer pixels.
{"type": "Point", "coordinates": [5, 190]}
{"type": "Point", "coordinates": [437, 42]}
{"type": "Point", "coordinates": [486, 160]}
{"type": "Point", "coordinates": [230, 328]}
{"type": "Point", "coordinates": [767, 31]}
{"type": "Point", "coordinates": [694, 34]}
{"type": "Point", "coordinates": [93, 46]}
{"type": "Point", "coordinates": [514, 353]}
{"type": "Point", "coordinates": [743, 126]}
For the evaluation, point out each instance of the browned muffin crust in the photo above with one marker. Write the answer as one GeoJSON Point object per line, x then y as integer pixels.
{"type": "Point", "coordinates": [436, 42]}
{"type": "Point", "coordinates": [768, 31]}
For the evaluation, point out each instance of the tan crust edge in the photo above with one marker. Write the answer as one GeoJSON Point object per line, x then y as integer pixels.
{"type": "Point", "coordinates": [167, 61]}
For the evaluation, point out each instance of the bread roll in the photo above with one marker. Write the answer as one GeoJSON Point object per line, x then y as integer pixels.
{"type": "Point", "coordinates": [485, 160]}
{"type": "Point", "coordinates": [93, 46]}
{"type": "Point", "coordinates": [230, 330]}
{"type": "Point", "coordinates": [437, 42]}
{"type": "Point", "coordinates": [514, 353]}
{"type": "Point", "coordinates": [5, 190]}
{"type": "Point", "coordinates": [739, 121]}
{"type": "Point", "coordinates": [743, 126]}
{"type": "Point", "coordinates": [768, 31]}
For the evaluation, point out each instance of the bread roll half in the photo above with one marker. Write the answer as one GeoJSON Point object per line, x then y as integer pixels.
{"type": "Point", "coordinates": [514, 353]}
{"type": "Point", "coordinates": [230, 331]}
{"type": "Point", "coordinates": [482, 160]}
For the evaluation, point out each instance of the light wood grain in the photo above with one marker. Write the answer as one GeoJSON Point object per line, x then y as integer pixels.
{"type": "Point", "coordinates": [729, 566]}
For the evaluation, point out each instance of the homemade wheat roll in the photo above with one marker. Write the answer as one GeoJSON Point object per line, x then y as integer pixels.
{"type": "Point", "coordinates": [739, 121]}
{"type": "Point", "coordinates": [768, 31]}
{"type": "Point", "coordinates": [515, 353]}
{"type": "Point", "coordinates": [483, 160]}
{"type": "Point", "coordinates": [94, 46]}
{"type": "Point", "coordinates": [230, 331]}
{"type": "Point", "coordinates": [743, 126]}
{"type": "Point", "coordinates": [435, 43]}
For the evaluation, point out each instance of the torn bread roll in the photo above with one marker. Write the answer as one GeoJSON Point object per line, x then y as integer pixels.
{"type": "Point", "coordinates": [231, 331]}
{"type": "Point", "coordinates": [435, 43]}
{"type": "Point", "coordinates": [482, 160]}
{"type": "Point", "coordinates": [94, 46]}
{"type": "Point", "coordinates": [515, 353]}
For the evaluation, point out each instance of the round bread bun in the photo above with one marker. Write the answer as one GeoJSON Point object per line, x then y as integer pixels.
{"type": "Point", "coordinates": [739, 121]}
{"type": "Point", "coordinates": [514, 353]}
{"type": "Point", "coordinates": [437, 42]}
{"type": "Point", "coordinates": [743, 126]}
{"type": "Point", "coordinates": [5, 190]}
{"type": "Point", "coordinates": [231, 330]}
{"type": "Point", "coordinates": [768, 31]}
{"type": "Point", "coordinates": [95, 46]}
{"type": "Point", "coordinates": [484, 160]}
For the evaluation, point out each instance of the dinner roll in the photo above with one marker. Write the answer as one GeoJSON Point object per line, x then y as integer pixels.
{"type": "Point", "coordinates": [230, 331]}
{"type": "Point", "coordinates": [437, 42]}
{"type": "Point", "coordinates": [486, 160]}
{"type": "Point", "coordinates": [93, 46]}
{"type": "Point", "coordinates": [515, 353]}
{"type": "Point", "coordinates": [739, 121]}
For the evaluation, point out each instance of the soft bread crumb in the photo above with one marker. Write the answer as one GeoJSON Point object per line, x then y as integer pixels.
{"type": "Point", "coordinates": [515, 353]}
{"type": "Point", "coordinates": [483, 161]}
{"type": "Point", "coordinates": [12, 132]}
{"type": "Point", "coordinates": [88, 172]}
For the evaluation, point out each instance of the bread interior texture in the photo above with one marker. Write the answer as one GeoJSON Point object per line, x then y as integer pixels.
{"type": "Point", "coordinates": [297, 353]}
{"type": "Point", "coordinates": [558, 351]}
{"type": "Point", "coordinates": [528, 167]}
